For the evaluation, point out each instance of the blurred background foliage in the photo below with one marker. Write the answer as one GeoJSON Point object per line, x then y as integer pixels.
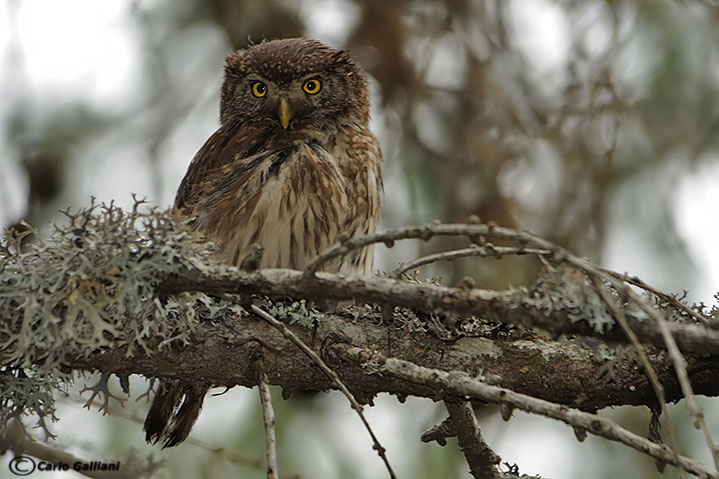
{"type": "Point", "coordinates": [577, 120]}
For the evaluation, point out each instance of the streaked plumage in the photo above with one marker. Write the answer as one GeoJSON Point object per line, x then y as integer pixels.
{"type": "Point", "coordinates": [290, 168]}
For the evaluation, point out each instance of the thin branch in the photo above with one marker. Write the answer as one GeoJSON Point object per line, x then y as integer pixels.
{"type": "Point", "coordinates": [667, 332]}
{"type": "Point", "coordinates": [668, 335]}
{"type": "Point", "coordinates": [678, 360]}
{"type": "Point", "coordinates": [680, 367]}
{"type": "Point", "coordinates": [330, 374]}
{"type": "Point", "coordinates": [634, 280]}
{"type": "Point", "coordinates": [481, 458]}
{"type": "Point", "coordinates": [425, 232]}
{"type": "Point", "coordinates": [474, 250]}
{"type": "Point", "coordinates": [648, 369]}
{"type": "Point", "coordinates": [463, 385]}
{"type": "Point", "coordinates": [462, 424]}
{"type": "Point", "coordinates": [439, 432]}
{"type": "Point", "coordinates": [477, 233]}
{"type": "Point", "coordinates": [268, 415]}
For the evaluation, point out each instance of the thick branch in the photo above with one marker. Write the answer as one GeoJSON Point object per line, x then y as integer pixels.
{"type": "Point", "coordinates": [558, 371]}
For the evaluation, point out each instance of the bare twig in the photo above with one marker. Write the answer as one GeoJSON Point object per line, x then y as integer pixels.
{"type": "Point", "coordinates": [268, 415]}
{"type": "Point", "coordinates": [330, 374]}
{"type": "Point", "coordinates": [558, 254]}
{"type": "Point", "coordinates": [424, 232]}
{"type": "Point", "coordinates": [680, 367]}
{"type": "Point", "coordinates": [477, 233]}
{"type": "Point", "coordinates": [665, 328]}
{"type": "Point", "coordinates": [634, 280]}
{"type": "Point", "coordinates": [474, 250]}
{"type": "Point", "coordinates": [439, 432]}
{"type": "Point", "coordinates": [648, 369]}
{"type": "Point", "coordinates": [481, 458]}
{"type": "Point", "coordinates": [667, 331]}
{"type": "Point", "coordinates": [462, 424]}
{"type": "Point", "coordinates": [463, 385]}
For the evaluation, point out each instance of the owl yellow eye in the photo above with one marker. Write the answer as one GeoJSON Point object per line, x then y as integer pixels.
{"type": "Point", "coordinates": [259, 89]}
{"type": "Point", "coordinates": [312, 86]}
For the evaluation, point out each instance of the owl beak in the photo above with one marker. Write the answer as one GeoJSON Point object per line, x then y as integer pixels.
{"type": "Point", "coordinates": [284, 113]}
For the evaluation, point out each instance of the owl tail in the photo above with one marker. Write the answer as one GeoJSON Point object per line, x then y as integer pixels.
{"type": "Point", "coordinates": [174, 410]}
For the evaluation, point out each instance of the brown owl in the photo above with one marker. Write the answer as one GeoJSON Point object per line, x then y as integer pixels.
{"type": "Point", "coordinates": [292, 167]}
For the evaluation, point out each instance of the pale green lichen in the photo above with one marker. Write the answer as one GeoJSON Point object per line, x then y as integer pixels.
{"type": "Point", "coordinates": [296, 312]}
{"type": "Point", "coordinates": [90, 286]}
{"type": "Point", "coordinates": [27, 393]}
{"type": "Point", "coordinates": [571, 294]}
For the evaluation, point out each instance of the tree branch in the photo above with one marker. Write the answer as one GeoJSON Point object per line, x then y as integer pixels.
{"type": "Point", "coordinates": [481, 458]}
{"type": "Point", "coordinates": [463, 385]}
{"type": "Point", "coordinates": [537, 307]}
{"type": "Point", "coordinates": [561, 371]}
{"type": "Point", "coordinates": [268, 417]}
{"type": "Point", "coordinates": [337, 382]}
{"type": "Point", "coordinates": [135, 293]}
{"type": "Point", "coordinates": [651, 374]}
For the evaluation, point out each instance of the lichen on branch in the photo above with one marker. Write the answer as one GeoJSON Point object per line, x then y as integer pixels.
{"type": "Point", "coordinates": [90, 286]}
{"type": "Point", "coordinates": [134, 292]}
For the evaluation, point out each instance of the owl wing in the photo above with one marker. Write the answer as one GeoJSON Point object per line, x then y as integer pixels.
{"type": "Point", "coordinates": [224, 147]}
{"type": "Point", "coordinates": [363, 169]}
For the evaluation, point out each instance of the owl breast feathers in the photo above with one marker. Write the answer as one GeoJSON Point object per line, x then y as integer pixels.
{"type": "Point", "coordinates": [293, 165]}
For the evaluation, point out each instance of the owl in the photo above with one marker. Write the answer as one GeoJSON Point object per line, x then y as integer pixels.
{"type": "Point", "coordinates": [292, 167]}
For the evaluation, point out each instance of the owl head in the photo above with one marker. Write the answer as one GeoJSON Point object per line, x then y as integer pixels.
{"type": "Point", "coordinates": [291, 85]}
